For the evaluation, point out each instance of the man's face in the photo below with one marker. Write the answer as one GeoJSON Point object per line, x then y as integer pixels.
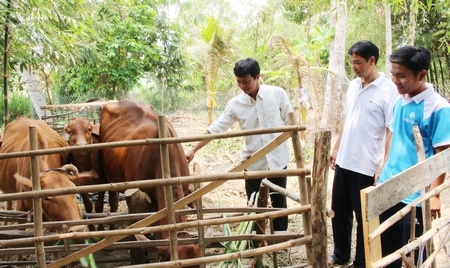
{"type": "Point", "coordinates": [406, 81]}
{"type": "Point", "coordinates": [360, 66]}
{"type": "Point", "coordinates": [248, 84]}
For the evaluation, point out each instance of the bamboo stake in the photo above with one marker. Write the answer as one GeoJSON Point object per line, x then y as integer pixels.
{"type": "Point", "coordinates": [199, 210]}
{"type": "Point", "coordinates": [168, 194]}
{"type": "Point", "coordinates": [302, 184]}
{"type": "Point", "coordinates": [37, 202]}
{"type": "Point", "coordinates": [179, 204]}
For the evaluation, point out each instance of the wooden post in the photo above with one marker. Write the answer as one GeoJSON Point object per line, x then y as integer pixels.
{"type": "Point", "coordinates": [372, 248]}
{"type": "Point", "coordinates": [262, 202]}
{"type": "Point", "coordinates": [303, 186]}
{"type": "Point", "coordinates": [165, 166]}
{"type": "Point", "coordinates": [199, 208]}
{"type": "Point", "coordinates": [322, 145]}
{"type": "Point", "coordinates": [37, 202]}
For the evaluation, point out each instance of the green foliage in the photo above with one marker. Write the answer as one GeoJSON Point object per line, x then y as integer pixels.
{"type": "Point", "coordinates": [135, 41]}
{"type": "Point", "coordinates": [19, 105]}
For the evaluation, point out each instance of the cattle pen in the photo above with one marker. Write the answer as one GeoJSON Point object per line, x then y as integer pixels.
{"type": "Point", "coordinates": [311, 198]}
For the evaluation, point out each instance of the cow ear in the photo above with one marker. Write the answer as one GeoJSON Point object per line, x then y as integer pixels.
{"type": "Point", "coordinates": [22, 183]}
{"type": "Point", "coordinates": [85, 178]}
{"type": "Point", "coordinates": [95, 130]}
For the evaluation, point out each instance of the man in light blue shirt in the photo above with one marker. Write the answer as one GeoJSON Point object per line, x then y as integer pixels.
{"type": "Point", "coordinates": [418, 105]}
{"type": "Point", "coordinates": [257, 106]}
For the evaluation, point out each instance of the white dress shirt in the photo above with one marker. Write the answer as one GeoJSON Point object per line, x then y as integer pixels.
{"type": "Point", "coordinates": [270, 109]}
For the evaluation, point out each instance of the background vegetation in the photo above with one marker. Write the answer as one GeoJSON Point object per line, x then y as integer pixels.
{"type": "Point", "coordinates": [178, 54]}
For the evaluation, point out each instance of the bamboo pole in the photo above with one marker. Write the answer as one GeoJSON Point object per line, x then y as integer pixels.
{"type": "Point", "coordinates": [426, 210]}
{"type": "Point", "coordinates": [37, 202]}
{"type": "Point", "coordinates": [322, 145]}
{"type": "Point", "coordinates": [113, 218]}
{"type": "Point", "coordinates": [412, 245]}
{"type": "Point", "coordinates": [199, 211]}
{"type": "Point", "coordinates": [134, 229]}
{"type": "Point", "coordinates": [108, 145]}
{"type": "Point", "coordinates": [400, 214]}
{"type": "Point", "coordinates": [128, 244]}
{"type": "Point", "coordinates": [179, 204]}
{"type": "Point", "coordinates": [238, 255]}
{"type": "Point", "coordinates": [168, 194]}
{"type": "Point", "coordinates": [234, 175]}
{"type": "Point", "coordinates": [303, 185]}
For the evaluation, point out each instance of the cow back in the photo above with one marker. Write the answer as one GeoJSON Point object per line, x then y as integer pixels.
{"type": "Point", "coordinates": [16, 139]}
{"type": "Point", "coordinates": [128, 120]}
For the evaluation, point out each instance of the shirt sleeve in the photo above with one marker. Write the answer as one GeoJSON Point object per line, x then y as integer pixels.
{"type": "Point", "coordinates": [225, 121]}
{"type": "Point", "coordinates": [286, 107]}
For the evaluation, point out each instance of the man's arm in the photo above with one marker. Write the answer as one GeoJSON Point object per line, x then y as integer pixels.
{"type": "Point", "coordinates": [190, 155]}
{"type": "Point", "coordinates": [336, 148]}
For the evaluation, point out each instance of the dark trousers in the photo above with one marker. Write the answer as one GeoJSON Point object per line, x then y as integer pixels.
{"type": "Point", "coordinates": [398, 235]}
{"type": "Point", "coordinates": [278, 200]}
{"type": "Point", "coordinates": [345, 200]}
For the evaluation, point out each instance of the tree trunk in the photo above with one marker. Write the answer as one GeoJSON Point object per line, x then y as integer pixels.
{"type": "Point", "coordinates": [388, 26]}
{"type": "Point", "coordinates": [32, 87]}
{"type": "Point", "coordinates": [336, 79]}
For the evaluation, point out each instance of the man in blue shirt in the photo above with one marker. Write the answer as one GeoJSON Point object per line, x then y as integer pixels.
{"type": "Point", "coordinates": [418, 105]}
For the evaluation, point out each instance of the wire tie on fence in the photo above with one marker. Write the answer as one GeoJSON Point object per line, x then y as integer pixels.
{"type": "Point", "coordinates": [245, 175]}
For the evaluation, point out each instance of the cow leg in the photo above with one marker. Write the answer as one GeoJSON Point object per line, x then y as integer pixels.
{"type": "Point", "coordinates": [87, 207]}
{"type": "Point", "coordinates": [113, 200]}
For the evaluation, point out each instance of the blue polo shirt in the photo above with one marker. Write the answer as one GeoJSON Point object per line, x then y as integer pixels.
{"type": "Point", "coordinates": [431, 113]}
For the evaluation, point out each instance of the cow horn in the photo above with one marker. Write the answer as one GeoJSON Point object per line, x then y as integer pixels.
{"type": "Point", "coordinates": [71, 169]}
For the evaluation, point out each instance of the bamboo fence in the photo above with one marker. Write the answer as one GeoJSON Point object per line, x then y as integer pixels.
{"type": "Point", "coordinates": [111, 237]}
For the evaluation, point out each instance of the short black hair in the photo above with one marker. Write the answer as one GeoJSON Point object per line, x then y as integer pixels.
{"type": "Point", "coordinates": [246, 67]}
{"type": "Point", "coordinates": [413, 58]}
{"type": "Point", "coordinates": [365, 49]}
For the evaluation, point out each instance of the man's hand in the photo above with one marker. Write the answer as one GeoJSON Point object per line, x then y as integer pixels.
{"type": "Point", "coordinates": [189, 156]}
{"type": "Point", "coordinates": [333, 160]}
{"type": "Point", "coordinates": [435, 205]}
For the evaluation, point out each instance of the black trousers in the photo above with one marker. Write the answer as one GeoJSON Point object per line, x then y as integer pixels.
{"type": "Point", "coordinates": [278, 200]}
{"type": "Point", "coordinates": [398, 235]}
{"type": "Point", "coordinates": [345, 200]}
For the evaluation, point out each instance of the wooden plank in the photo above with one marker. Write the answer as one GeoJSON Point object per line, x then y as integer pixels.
{"type": "Point", "coordinates": [389, 193]}
{"type": "Point", "coordinates": [372, 249]}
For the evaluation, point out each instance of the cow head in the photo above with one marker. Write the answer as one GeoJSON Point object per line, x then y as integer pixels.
{"type": "Point", "coordinates": [80, 132]}
{"type": "Point", "coordinates": [185, 252]}
{"type": "Point", "coordinates": [55, 208]}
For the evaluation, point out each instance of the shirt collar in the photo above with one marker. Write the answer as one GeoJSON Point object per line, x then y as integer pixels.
{"type": "Point", "coordinates": [424, 94]}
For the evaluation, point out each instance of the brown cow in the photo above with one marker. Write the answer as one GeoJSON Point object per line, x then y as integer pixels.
{"type": "Point", "coordinates": [15, 139]}
{"type": "Point", "coordinates": [55, 208]}
{"type": "Point", "coordinates": [81, 132]}
{"type": "Point", "coordinates": [15, 171]}
{"type": "Point", "coordinates": [128, 120]}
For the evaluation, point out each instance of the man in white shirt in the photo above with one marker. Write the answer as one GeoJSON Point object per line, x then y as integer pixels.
{"type": "Point", "coordinates": [359, 149]}
{"type": "Point", "coordinates": [257, 106]}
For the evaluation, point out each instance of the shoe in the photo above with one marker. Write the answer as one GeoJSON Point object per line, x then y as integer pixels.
{"type": "Point", "coordinates": [333, 262]}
